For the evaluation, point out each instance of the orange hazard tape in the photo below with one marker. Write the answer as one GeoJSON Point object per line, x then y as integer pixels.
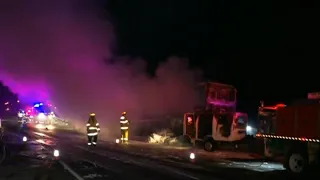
{"type": "Point", "coordinates": [287, 137]}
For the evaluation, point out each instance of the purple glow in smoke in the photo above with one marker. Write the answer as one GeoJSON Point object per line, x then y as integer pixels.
{"type": "Point", "coordinates": [30, 90]}
{"type": "Point", "coordinates": [55, 50]}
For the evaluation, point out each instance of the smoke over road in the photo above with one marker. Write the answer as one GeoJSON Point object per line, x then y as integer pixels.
{"type": "Point", "coordinates": [57, 50]}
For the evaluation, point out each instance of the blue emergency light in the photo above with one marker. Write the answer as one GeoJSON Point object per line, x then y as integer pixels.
{"type": "Point", "coordinates": [38, 105]}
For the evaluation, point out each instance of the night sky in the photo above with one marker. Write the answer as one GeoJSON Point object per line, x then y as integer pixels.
{"type": "Point", "coordinates": [267, 50]}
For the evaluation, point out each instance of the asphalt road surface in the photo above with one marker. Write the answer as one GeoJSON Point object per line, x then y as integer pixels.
{"type": "Point", "coordinates": [28, 161]}
{"type": "Point", "coordinates": [109, 160]}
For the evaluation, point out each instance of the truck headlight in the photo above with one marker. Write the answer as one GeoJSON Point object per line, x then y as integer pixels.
{"type": "Point", "coordinates": [249, 129]}
{"type": "Point", "coordinates": [20, 115]}
{"type": "Point", "coordinates": [42, 116]}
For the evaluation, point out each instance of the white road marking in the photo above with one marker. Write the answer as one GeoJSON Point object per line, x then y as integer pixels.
{"type": "Point", "coordinates": [76, 175]}
{"type": "Point", "coordinates": [105, 167]}
{"type": "Point", "coordinates": [44, 135]}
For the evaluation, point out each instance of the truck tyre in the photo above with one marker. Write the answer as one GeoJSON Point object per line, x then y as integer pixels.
{"type": "Point", "coordinates": [210, 145]}
{"type": "Point", "coordinates": [296, 162]}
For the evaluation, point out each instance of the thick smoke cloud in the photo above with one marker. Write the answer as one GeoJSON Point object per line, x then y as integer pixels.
{"type": "Point", "coordinates": [58, 51]}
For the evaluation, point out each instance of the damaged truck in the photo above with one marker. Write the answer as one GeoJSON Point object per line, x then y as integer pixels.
{"type": "Point", "coordinates": [219, 122]}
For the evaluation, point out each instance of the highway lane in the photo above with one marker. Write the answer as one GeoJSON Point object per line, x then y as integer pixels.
{"type": "Point", "coordinates": [150, 162]}
{"type": "Point", "coordinates": [28, 160]}
{"type": "Point", "coordinates": [145, 161]}
{"type": "Point", "coordinates": [105, 160]}
{"type": "Point", "coordinates": [182, 168]}
{"type": "Point", "coordinates": [99, 162]}
{"type": "Point", "coordinates": [122, 162]}
{"type": "Point", "coordinates": [119, 166]}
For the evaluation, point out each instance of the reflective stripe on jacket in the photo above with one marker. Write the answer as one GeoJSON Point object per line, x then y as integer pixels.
{"type": "Point", "coordinates": [124, 123]}
{"type": "Point", "coordinates": [93, 129]}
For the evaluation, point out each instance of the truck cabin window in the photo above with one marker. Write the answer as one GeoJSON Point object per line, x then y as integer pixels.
{"type": "Point", "coordinates": [242, 120]}
{"type": "Point", "coordinates": [225, 95]}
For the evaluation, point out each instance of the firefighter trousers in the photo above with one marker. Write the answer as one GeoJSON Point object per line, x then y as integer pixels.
{"type": "Point", "coordinates": [124, 135]}
{"type": "Point", "coordinates": [92, 140]}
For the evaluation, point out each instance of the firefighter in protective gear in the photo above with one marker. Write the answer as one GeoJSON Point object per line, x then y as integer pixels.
{"type": "Point", "coordinates": [124, 127]}
{"type": "Point", "coordinates": [93, 129]}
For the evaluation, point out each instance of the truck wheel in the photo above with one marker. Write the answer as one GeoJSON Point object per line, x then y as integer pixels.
{"type": "Point", "coordinates": [209, 145]}
{"type": "Point", "coordinates": [296, 162]}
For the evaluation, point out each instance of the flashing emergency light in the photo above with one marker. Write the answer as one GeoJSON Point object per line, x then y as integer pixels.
{"type": "Point", "coordinates": [280, 106]}
{"type": "Point", "coordinates": [117, 141]}
{"type": "Point", "coordinates": [38, 105]}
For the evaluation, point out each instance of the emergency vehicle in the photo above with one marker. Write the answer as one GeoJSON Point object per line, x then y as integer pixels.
{"type": "Point", "coordinates": [219, 122]}
{"type": "Point", "coordinates": [41, 115]}
{"type": "Point", "coordinates": [292, 132]}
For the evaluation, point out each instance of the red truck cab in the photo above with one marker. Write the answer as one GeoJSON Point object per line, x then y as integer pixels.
{"type": "Point", "coordinates": [292, 132]}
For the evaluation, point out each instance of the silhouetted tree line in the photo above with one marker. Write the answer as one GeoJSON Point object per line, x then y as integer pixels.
{"type": "Point", "coordinates": [9, 104]}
